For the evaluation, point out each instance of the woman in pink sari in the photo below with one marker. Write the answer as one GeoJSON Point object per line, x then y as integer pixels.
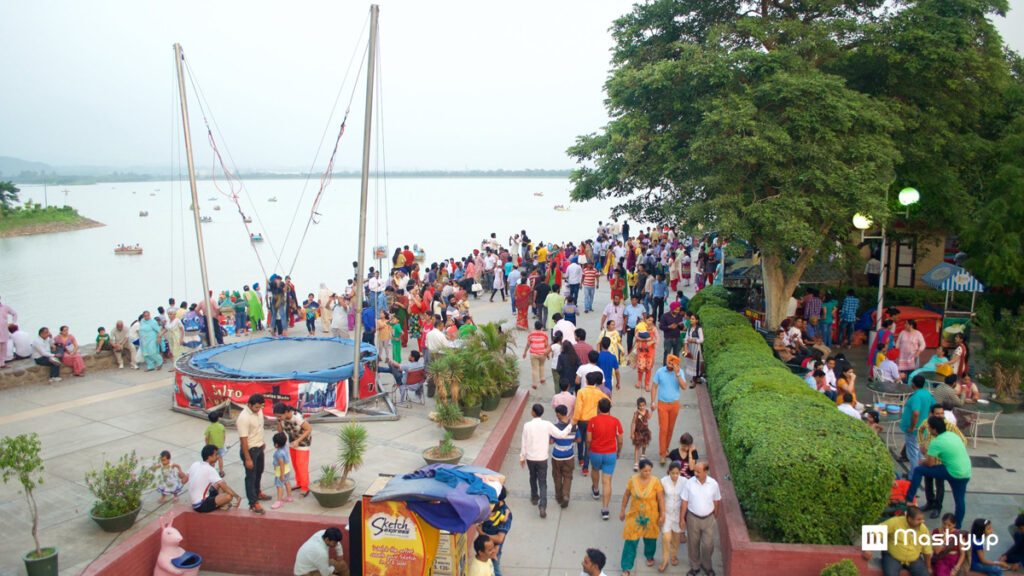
{"type": "Point", "coordinates": [70, 356]}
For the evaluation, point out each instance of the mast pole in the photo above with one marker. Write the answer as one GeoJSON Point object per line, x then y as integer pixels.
{"type": "Point", "coordinates": [353, 384]}
{"type": "Point", "coordinates": [178, 58]}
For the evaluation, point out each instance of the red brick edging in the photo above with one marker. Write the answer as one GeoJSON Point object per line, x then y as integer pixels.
{"type": "Point", "coordinates": [493, 452]}
{"type": "Point", "coordinates": [741, 556]}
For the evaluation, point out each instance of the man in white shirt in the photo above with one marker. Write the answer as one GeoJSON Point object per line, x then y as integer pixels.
{"type": "Point", "coordinates": [314, 556]}
{"type": "Point", "coordinates": [848, 408]}
{"type": "Point", "coordinates": [615, 310]}
{"type": "Point", "coordinates": [481, 564]}
{"type": "Point", "coordinates": [593, 563]}
{"type": "Point", "coordinates": [590, 366]}
{"type": "Point", "coordinates": [889, 370]}
{"type": "Point", "coordinates": [42, 353]}
{"type": "Point", "coordinates": [701, 498]}
{"type": "Point", "coordinates": [207, 491]}
{"type": "Point", "coordinates": [376, 286]}
{"type": "Point", "coordinates": [537, 434]}
{"type": "Point", "coordinates": [250, 436]}
{"type": "Point", "coordinates": [568, 329]}
{"type": "Point", "coordinates": [20, 345]}
{"type": "Point", "coordinates": [573, 277]}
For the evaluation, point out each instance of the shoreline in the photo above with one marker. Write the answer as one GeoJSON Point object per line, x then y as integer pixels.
{"type": "Point", "coordinates": [37, 228]}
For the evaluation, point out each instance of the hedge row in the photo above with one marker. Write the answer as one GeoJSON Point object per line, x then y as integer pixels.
{"type": "Point", "coordinates": [803, 471]}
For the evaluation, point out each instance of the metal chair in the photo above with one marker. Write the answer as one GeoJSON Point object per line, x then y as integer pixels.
{"type": "Point", "coordinates": [412, 378]}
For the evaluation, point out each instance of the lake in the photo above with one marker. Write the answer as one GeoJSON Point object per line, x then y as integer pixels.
{"type": "Point", "coordinates": [75, 278]}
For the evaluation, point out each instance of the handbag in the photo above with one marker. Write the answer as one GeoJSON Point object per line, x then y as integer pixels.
{"type": "Point", "coordinates": [476, 287]}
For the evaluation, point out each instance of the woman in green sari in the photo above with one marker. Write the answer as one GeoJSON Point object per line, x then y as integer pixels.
{"type": "Point", "coordinates": [255, 308]}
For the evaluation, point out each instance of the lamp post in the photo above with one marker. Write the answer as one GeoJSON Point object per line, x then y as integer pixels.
{"type": "Point", "coordinates": [906, 197]}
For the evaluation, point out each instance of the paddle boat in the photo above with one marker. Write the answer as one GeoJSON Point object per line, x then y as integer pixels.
{"type": "Point", "coordinates": [272, 199]}
{"type": "Point", "coordinates": [143, 213]}
{"type": "Point", "coordinates": [255, 237]}
{"type": "Point", "coordinates": [128, 250]}
{"type": "Point", "coordinates": [561, 208]}
{"type": "Point", "coordinates": [205, 219]}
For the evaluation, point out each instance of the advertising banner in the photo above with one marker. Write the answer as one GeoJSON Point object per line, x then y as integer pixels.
{"type": "Point", "coordinates": [308, 397]}
{"type": "Point", "coordinates": [396, 541]}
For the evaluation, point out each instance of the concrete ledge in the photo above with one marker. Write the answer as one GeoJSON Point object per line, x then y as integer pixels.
{"type": "Point", "coordinates": [233, 542]}
{"type": "Point", "coordinates": [492, 455]}
{"type": "Point", "coordinates": [740, 556]}
{"type": "Point", "coordinates": [25, 372]}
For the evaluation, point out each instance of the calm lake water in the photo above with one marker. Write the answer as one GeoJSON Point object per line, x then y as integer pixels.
{"type": "Point", "coordinates": [75, 278]}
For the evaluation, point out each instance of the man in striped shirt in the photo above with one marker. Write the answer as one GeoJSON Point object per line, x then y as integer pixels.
{"type": "Point", "coordinates": [591, 282]}
{"type": "Point", "coordinates": [847, 318]}
{"type": "Point", "coordinates": [562, 464]}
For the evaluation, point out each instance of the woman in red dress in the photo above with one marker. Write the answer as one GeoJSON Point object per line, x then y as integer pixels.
{"type": "Point", "coordinates": [523, 295]}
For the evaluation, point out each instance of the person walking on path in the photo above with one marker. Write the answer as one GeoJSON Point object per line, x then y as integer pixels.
{"type": "Point", "coordinates": [537, 435]}
{"type": "Point", "coordinates": [646, 511]}
{"type": "Point", "coordinates": [915, 411]}
{"type": "Point", "coordinates": [539, 348]}
{"type": "Point", "coordinates": [587, 400]}
{"type": "Point", "coordinates": [251, 445]}
{"type": "Point", "coordinates": [604, 434]}
{"type": "Point", "coordinates": [672, 324]}
{"type": "Point", "coordinates": [695, 347]}
{"type": "Point", "coordinates": [5, 334]}
{"type": "Point", "coordinates": [700, 500]}
{"type": "Point", "coordinates": [665, 393]}
{"type": "Point", "coordinates": [591, 282]}
{"type": "Point", "coordinates": [562, 456]}
{"type": "Point", "coordinates": [672, 484]}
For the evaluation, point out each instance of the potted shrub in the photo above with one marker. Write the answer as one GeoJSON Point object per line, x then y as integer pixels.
{"type": "Point", "coordinates": [332, 490]}
{"type": "Point", "coordinates": [509, 386]}
{"type": "Point", "coordinates": [446, 452]}
{"type": "Point", "coordinates": [451, 417]}
{"type": "Point", "coordinates": [445, 371]}
{"type": "Point", "coordinates": [19, 458]}
{"type": "Point", "coordinates": [118, 489]}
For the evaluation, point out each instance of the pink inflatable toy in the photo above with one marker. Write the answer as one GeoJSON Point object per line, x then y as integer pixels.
{"type": "Point", "coordinates": [173, 559]}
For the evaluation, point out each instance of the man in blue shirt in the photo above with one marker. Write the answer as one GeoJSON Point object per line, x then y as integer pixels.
{"type": "Point", "coordinates": [659, 291]}
{"type": "Point", "coordinates": [633, 312]}
{"type": "Point", "coordinates": [665, 393]}
{"type": "Point", "coordinates": [608, 363]}
{"type": "Point", "coordinates": [562, 463]}
{"type": "Point", "coordinates": [847, 318]}
{"type": "Point", "coordinates": [915, 411]}
{"type": "Point", "coordinates": [369, 319]}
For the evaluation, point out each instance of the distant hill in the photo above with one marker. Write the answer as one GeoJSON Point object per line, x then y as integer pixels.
{"type": "Point", "coordinates": [25, 172]}
{"type": "Point", "coordinates": [11, 167]}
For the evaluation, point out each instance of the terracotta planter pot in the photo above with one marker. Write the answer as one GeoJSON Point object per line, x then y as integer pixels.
{"type": "Point", "coordinates": [333, 497]}
{"type": "Point", "coordinates": [117, 523]}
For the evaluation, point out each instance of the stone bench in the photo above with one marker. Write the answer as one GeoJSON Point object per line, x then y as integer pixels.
{"type": "Point", "coordinates": [24, 372]}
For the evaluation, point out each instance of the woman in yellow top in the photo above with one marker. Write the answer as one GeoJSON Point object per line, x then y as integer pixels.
{"type": "Point", "coordinates": [612, 334]}
{"type": "Point", "coordinates": [644, 517]}
{"type": "Point", "coordinates": [846, 383]}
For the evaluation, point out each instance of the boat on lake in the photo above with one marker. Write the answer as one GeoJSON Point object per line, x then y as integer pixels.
{"type": "Point", "coordinates": [255, 237]}
{"type": "Point", "coordinates": [216, 207]}
{"type": "Point", "coordinates": [247, 219]}
{"type": "Point", "coordinates": [538, 193]}
{"type": "Point", "coordinates": [205, 219]}
{"type": "Point", "coordinates": [128, 250]}
{"type": "Point", "coordinates": [561, 208]}
{"type": "Point", "coordinates": [143, 213]}
{"type": "Point", "coordinates": [272, 199]}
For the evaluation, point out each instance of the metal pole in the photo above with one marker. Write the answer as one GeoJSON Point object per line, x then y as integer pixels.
{"type": "Point", "coordinates": [353, 385]}
{"type": "Point", "coordinates": [881, 283]}
{"type": "Point", "coordinates": [178, 57]}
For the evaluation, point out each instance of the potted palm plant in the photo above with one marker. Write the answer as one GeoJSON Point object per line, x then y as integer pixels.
{"type": "Point", "coordinates": [118, 489]}
{"type": "Point", "coordinates": [446, 452]}
{"type": "Point", "coordinates": [332, 490]}
{"type": "Point", "coordinates": [510, 384]}
{"type": "Point", "coordinates": [454, 421]}
{"type": "Point", "coordinates": [19, 458]}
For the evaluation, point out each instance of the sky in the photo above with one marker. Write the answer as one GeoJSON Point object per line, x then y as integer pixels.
{"type": "Point", "coordinates": [472, 85]}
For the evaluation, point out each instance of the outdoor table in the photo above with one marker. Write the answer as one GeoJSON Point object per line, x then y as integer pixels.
{"type": "Point", "coordinates": [933, 378]}
{"type": "Point", "coordinates": [976, 414]}
{"type": "Point", "coordinates": [891, 423]}
{"type": "Point", "coordinates": [887, 392]}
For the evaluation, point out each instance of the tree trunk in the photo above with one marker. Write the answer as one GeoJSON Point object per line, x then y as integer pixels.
{"type": "Point", "coordinates": [778, 286]}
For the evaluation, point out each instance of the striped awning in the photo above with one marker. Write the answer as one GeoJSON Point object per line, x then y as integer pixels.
{"type": "Point", "coordinates": [946, 276]}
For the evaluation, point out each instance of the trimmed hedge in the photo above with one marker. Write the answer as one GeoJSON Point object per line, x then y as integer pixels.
{"type": "Point", "coordinates": [714, 294]}
{"type": "Point", "coordinates": [803, 471]}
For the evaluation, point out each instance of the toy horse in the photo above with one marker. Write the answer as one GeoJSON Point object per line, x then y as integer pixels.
{"type": "Point", "coordinates": [173, 559]}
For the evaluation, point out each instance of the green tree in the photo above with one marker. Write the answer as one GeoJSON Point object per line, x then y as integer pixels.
{"type": "Point", "coordinates": [775, 121]}
{"type": "Point", "coordinates": [8, 195]}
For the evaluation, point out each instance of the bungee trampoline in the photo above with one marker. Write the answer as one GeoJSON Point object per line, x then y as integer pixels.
{"type": "Point", "coordinates": [311, 374]}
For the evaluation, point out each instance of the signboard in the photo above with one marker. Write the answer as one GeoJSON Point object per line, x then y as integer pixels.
{"type": "Point", "coordinates": [396, 540]}
{"type": "Point", "coordinates": [380, 253]}
{"type": "Point", "coordinates": [307, 397]}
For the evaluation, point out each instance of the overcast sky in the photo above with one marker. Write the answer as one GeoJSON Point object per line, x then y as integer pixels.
{"type": "Point", "coordinates": [466, 85]}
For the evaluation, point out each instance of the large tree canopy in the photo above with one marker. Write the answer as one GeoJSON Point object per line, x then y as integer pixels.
{"type": "Point", "coordinates": [776, 121]}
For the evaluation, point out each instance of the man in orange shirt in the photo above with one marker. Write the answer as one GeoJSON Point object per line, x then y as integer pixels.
{"type": "Point", "coordinates": [587, 400]}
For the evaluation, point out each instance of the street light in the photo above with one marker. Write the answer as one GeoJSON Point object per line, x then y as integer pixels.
{"type": "Point", "coordinates": [907, 197]}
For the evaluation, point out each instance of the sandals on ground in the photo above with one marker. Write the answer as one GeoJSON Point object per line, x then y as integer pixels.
{"type": "Point", "coordinates": [650, 562]}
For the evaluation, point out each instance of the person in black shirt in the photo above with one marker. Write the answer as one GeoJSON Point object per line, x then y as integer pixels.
{"type": "Point", "coordinates": [686, 455]}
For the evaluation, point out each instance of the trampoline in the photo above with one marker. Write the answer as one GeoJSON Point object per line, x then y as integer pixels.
{"type": "Point", "coordinates": [311, 374]}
